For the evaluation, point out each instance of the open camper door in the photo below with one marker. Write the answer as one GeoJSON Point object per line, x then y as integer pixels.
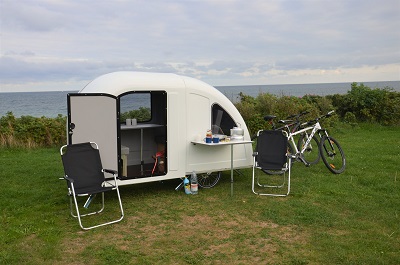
{"type": "Point", "coordinates": [94, 118]}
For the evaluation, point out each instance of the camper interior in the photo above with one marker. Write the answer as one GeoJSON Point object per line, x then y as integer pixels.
{"type": "Point", "coordinates": [143, 145]}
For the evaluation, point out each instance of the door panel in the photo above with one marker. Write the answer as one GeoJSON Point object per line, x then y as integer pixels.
{"type": "Point", "coordinates": [93, 118]}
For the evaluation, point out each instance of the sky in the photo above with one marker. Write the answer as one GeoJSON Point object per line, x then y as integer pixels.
{"type": "Point", "coordinates": [64, 44]}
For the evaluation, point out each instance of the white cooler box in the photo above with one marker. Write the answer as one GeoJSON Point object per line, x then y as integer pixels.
{"type": "Point", "coordinates": [124, 156]}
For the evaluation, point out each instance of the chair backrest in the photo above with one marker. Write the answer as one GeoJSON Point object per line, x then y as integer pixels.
{"type": "Point", "coordinates": [272, 149]}
{"type": "Point", "coordinates": [82, 163]}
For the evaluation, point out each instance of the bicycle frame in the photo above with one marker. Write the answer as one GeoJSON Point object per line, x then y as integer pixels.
{"type": "Point", "coordinates": [315, 128]}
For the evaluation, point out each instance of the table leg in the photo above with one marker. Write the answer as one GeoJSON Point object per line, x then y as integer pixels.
{"type": "Point", "coordinates": [231, 169]}
{"type": "Point", "coordinates": [141, 151]}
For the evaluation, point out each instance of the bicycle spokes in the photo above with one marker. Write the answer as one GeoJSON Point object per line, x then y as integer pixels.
{"type": "Point", "coordinates": [332, 155]}
{"type": "Point", "coordinates": [309, 150]}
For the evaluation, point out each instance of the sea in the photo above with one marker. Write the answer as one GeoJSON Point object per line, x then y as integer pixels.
{"type": "Point", "coordinates": [51, 104]}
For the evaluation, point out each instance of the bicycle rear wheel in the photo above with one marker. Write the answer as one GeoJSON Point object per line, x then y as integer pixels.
{"type": "Point", "coordinates": [312, 154]}
{"type": "Point", "coordinates": [332, 155]}
{"type": "Point", "coordinates": [209, 179]}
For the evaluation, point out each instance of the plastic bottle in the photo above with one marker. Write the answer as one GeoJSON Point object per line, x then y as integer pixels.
{"type": "Point", "coordinates": [209, 136]}
{"type": "Point", "coordinates": [194, 186]}
{"type": "Point", "coordinates": [186, 185]}
{"type": "Point", "coordinates": [89, 200]}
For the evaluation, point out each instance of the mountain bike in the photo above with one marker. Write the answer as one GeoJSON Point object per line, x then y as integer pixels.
{"type": "Point", "coordinates": [291, 125]}
{"type": "Point", "coordinates": [314, 143]}
{"type": "Point", "coordinates": [329, 149]}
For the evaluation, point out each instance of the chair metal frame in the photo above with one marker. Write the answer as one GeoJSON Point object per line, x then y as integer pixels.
{"type": "Point", "coordinates": [106, 186]}
{"type": "Point", "coordinates": [285, 164]}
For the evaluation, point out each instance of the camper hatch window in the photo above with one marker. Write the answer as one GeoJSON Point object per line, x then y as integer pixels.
{"type": "Point", "coordinates": [136, 106]}
{"type": "Point", "coordinates": [222, 122]}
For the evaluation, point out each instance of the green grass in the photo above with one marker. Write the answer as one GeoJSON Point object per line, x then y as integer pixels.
{"type": "Point", "coordinates": [352, 218]}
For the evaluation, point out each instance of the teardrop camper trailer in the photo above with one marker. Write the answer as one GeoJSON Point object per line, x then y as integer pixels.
{"type": "Point", "coordinates": [169, 112]}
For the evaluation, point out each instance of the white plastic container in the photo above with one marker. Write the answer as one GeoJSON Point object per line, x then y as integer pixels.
{"type": "Point", "coordinates": [194, 186]}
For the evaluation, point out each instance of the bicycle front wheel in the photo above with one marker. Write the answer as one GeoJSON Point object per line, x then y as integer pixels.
{"type": "Point", "coordinates": [311, 154]}
{"type": "Point", "coordinates": [332, 155]}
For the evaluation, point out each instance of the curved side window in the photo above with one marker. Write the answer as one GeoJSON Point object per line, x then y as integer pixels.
{"type": "Point", "coordinates": [221, 121]}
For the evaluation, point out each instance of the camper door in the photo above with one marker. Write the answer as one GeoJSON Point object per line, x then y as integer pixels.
{"type": "Point", "coordinates": [93, 118]}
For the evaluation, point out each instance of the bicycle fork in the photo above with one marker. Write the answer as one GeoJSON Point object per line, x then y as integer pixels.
{"type": "Point", "coordinates": [330, 150]}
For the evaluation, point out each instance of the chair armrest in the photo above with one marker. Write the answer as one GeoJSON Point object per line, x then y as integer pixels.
{"type": "Point", "coordinates": [113, 172]}
{"type": "Point", "coordinates": [110, 171]}
{"type": "Point", "coordinates": [68, 179]}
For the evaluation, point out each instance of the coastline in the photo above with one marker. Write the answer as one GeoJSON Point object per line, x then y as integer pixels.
{"type": "Point", "coordinates": [52, 103]}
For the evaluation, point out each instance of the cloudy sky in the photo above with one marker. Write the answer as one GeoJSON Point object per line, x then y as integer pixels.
{"type": "Point", "coordinates": [63, 44]}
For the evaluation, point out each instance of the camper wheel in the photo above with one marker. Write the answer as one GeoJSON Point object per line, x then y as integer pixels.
{"type": "Point", "coordinates": [209, 179]}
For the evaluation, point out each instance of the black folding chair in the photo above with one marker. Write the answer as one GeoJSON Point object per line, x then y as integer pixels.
{"type": "Point", "coordinates": [271, 154]}
{"type": "Point", "coordinates": [85, 176]}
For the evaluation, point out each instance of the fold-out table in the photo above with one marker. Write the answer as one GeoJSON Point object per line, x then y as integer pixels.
{"type": "Point", "coordinates": [220, 144]}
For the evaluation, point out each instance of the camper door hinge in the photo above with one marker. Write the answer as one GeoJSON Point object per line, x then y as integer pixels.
{"type": "Point", "coordinates": [71, 127]}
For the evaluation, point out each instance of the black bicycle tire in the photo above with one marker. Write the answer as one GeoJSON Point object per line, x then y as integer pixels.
{"type": "Point", "coordinates": [325, 156]}
{"type": "Point", "coordinates": [300, 147]}
{"type": "Point", "coordinates": [208, 180]}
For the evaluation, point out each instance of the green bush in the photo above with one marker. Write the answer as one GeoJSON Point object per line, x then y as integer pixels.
{"type": "Point", "coordinates": [350, 118]}
{"type": "Point", "coordinates": [141, 114]}
{"type": "Point", "coordinates": [369, 105]}
{"type": "Point", "coordinates": [253, 110]}
{"type": "Point", "coordinates": [28, 131]}
{"type": "Point", "coordinates": [360, 104]}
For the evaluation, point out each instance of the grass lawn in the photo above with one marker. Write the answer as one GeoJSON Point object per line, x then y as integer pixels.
{"type": "Point", "coordinates": [352, 218]}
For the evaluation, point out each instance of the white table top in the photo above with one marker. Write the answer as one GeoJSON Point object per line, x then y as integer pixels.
{"type": "Point", "coordinates": [233, 142]}
{"type": "Point", "coordinates": [140, 126]}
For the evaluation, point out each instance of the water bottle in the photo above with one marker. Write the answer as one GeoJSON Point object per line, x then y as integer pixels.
{"type": "Point", "coordinates": [89, 200]}
{"type": "Point", "coordinates": [194, 186]}
{"type": "Point", "coordinates": [186, 185]}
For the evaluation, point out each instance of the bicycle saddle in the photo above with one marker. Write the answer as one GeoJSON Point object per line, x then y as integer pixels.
{"type": "Point", "coordinates": [269, 117]}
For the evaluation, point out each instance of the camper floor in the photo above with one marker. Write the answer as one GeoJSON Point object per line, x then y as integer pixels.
{"type": "Point", "coordinates": [135, 171]}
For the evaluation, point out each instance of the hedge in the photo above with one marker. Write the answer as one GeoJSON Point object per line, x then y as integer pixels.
{"type": "Point", "coordinates": [360, 104]}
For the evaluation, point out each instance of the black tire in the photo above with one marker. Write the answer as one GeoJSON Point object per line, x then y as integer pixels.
{"type": "Point", "coordinates": [312, 154]}
{"type": "Point", "coordinates": [208, 180]}
{"type": "Point", "coordinates": [332, 155]}
{"type": "Point", "coordinates": [279, 172]}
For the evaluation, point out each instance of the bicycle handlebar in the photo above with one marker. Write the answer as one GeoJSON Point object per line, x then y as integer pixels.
{"type": "Point", "coordinates": [330, 113]}
{"type": "Point", "coordinates": [297, 115]}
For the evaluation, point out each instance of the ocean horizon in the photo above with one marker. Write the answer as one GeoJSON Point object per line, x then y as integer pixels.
{"type": "Point", "coordinates": [52, 103]}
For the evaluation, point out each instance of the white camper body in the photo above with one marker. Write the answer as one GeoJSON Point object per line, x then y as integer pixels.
{"type": "Point", "coordinates": [182, 109]}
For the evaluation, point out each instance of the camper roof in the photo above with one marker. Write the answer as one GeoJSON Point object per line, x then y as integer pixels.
{"type": "Point", "coordinates": [118, 83]}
